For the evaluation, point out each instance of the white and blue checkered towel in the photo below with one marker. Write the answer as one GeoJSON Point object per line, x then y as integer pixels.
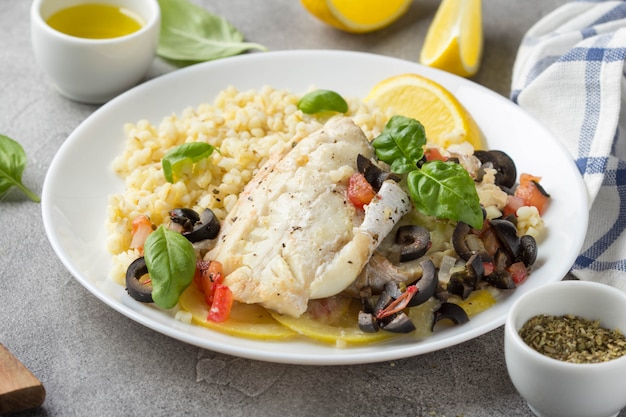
{"type": "Point", "coordinates": [569, 74]}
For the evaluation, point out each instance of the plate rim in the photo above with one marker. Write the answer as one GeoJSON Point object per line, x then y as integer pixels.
{"type": "Point", "coordinates": [181, 332]}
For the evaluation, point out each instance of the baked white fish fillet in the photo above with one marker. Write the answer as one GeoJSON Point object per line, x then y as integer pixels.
{"type": "Point", "coordinates": [293, 234]}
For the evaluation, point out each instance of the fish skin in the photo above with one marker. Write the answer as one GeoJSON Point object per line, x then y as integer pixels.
{"type": "Point", "coordinates": [293, 235]}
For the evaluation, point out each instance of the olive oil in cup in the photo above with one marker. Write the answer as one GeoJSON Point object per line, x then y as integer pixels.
{"type": "Point", "coordinates": [94, 50]}
{"type": "Point", "coordinates": [95, 21]}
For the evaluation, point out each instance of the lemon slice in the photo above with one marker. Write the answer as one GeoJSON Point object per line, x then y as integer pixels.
{"type": "Point", "coordinates": [246, 320]}
{"type": "Point", "coordinates": [345, 329]}
{"type": "Point", "coordinates": [445, 119]}
{"type": "Point", "coordinates": [478, 301]}
{"type": "Point", "coordinates": [454, 41]}
{"type": "Point", "coordinates": [357, 16]}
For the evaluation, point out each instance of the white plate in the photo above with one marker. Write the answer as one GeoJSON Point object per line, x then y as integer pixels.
{"type": "Point", "coordinates": [79, 181]}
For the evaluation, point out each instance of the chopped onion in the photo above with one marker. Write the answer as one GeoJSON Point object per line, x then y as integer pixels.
{"type": "Point", "coordinates": [447, 263]}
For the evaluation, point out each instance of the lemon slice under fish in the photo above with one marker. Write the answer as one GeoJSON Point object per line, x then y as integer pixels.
{"type": "Point", "coordinates": [246, 320]}
{"type": "Point", "coordinates": [344, 330]}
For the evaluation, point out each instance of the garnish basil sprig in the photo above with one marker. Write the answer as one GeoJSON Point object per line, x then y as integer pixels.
{"type": "Point", "coordinates": [437, 188]}
{"type": "Point", "coordinates": [12, 165]}
{"type": "Point", "coordinates": [184, 155]}
{"type": "Point", "coordinates": [318, 101]}
{"type": "Point", "coordinates": [191, 34]}
{"type": "Point", "coordinates": [171, 262]}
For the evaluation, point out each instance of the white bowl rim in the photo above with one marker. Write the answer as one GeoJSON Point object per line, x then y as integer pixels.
{"type": "Point", "coordinates": [149, 25]}
{"type": "Point", "coordinates": [571, 285]}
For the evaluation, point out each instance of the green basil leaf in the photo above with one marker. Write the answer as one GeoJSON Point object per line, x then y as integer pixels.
{"type": "Point", "coordinates": [401, 144]}
{"type": "Point", "coordinates": [171, 262]}
{"type": "Point", "coordinates": [12, 165]}
{"type": "Point", "coordinates": [318, 101]}
{"type": "Point", "coordinates": [186, 154]}
{"type": "Point", "coordinates": [190, 33]}
{"type": "Point", "coordinates": [445, 190]}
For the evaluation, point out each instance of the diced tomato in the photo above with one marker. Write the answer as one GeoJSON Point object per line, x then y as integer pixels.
{"type": "Point", "coordinates": [524, 179]}
{"type": "Point", "coordinates": [360, 192]}
{"type": "Point", "coordinates": [512, 204]}
{"type": "Point", "coordinates": [198, 276]}
{"type": "Point", "coordinates": [141, 229]}
{"type": "Point", "coordinates": [433, 154]}
{"type": "Point", "coordinates": [208, 275]}
{"type": "Point", "coordinates": [222, 303]}
{"type": "Point", "coordinates": [531, 193]}
{"type": "Point", "coordinates": [519, 272]}
{"type": "Point", "coordinates": [488, 267]}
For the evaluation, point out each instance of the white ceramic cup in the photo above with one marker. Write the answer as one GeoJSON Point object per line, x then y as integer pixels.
{"type": "Point", "coordinates": [554, 388]}
{"type": "Point", "coordinates": [94, 70]}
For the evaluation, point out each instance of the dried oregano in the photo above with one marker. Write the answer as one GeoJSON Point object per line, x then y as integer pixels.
{"type": "Point", "coordinates": [573, 339]}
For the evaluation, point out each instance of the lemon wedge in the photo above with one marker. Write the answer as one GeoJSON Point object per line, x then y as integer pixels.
{"type": "Point", "coordinates": [246, 320]}
{"type": "Point", "coordinates": [454, 41]}
{"type": "Point", "coordinates": [357, 16]}
{"type": "Point", "coordinates": [445, 119]}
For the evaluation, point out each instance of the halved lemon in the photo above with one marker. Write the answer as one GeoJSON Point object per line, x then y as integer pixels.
{"type": "Point", "coordinates": [319, 9]}
{"type": "Point", "coordinates": [246, 320]}
{"type": "Point", "coordinates": [445, 119]}
{"type": "Point", "coordinates": [357, 16]}
{"type": "Point", "coordinates": [454, 41]}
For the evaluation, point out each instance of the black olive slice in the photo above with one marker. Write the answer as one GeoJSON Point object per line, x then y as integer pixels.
{"type": "Point", "coordinates": [392, 289]}
{"type": "Point", "coordinates": [139, 291]}
{"type": "Point", "coordinates": [401, 323]}
{"type": "Point", "coordinates": [383, 302]}
{"type": "Point", "coordinates": [506, 232]}
{"type": "Point", "coordinates": [207, 227]}
{"type": "Point", "coordinates": [501, 279]}
{"type": "Point", "coordinates": [367, 301]}
{"type": "Point", "coordinates": [501, 260]}
{"type": "Point", "coordinates": [460, 284]}
{"type": "Point", "coordinates": [185, 217]}
{"type": "Point", "coordinates": [475, 268]}
{"type": "Point", "coordinates": [511, 218]}
{"type": "Point", "coordinates": [414, 242]}
{"type": "Point", "coordinates": [452, 312]}
{"type": "Point", "coordinates": [528, 252]}
{"type": "Point", "coordinates": [427, 285]}
{"type": "Point", "coordinates": [367, 322]}
{"type": "Point", "coordinates": [466, 243]}
{"type": "Point", "coordinates": [373, 174]}
{"type": "Point", "coordinates": [506, 171]}
{"type": "Point", "coordinates": [458, 240]}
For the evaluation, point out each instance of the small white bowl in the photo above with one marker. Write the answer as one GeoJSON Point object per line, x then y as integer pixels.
{"type": "Point", "coordinates": [554, 388]}
{"type": "Point", "coordinates": [94, 70]}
